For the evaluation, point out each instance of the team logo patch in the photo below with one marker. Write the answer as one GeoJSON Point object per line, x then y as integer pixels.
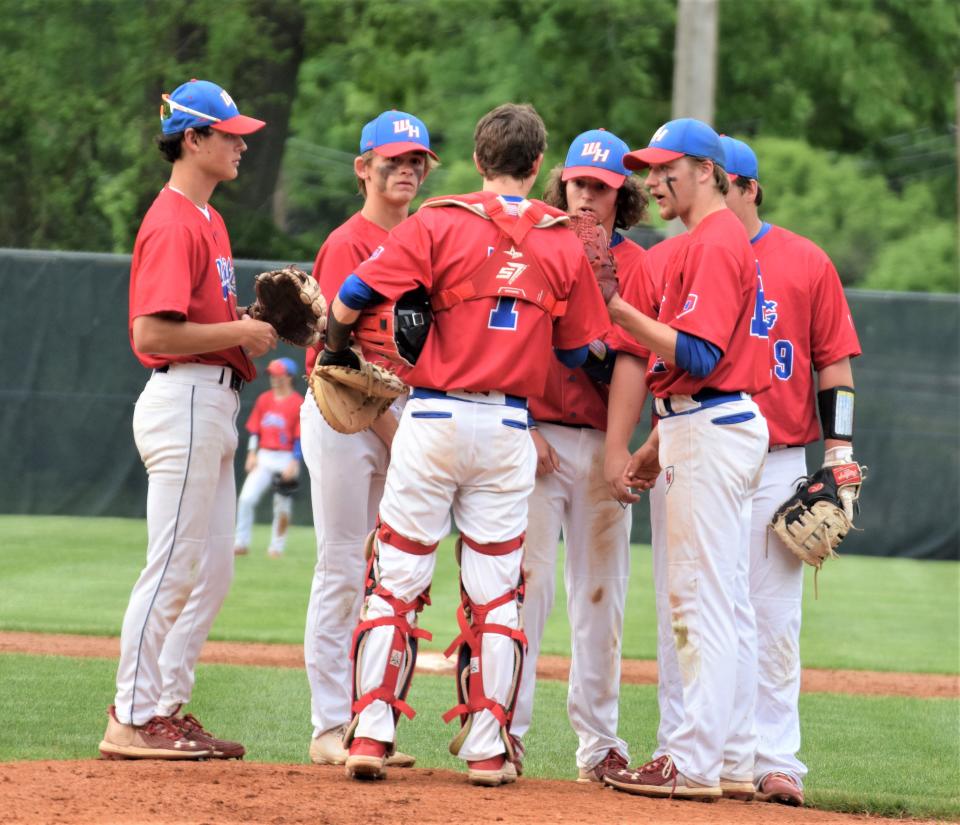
{"type": "Point", "coordinates": [396, 658]}
{"type": "Point", "coordinates": [228, 279]}
{"type": "Point", "coordinates": [376, 253]}
{"type": "Point", "coordinates": [659, 135]}
{"type": "Point", "coordinates": [406, 125]}
{"type": "Point", "coordinates": [815, 488]}
{"type": "Point", "coordinates": [847, 474]}
{"type": "Point", "coordinates": [595, 150]}
{"type": "Point", "coordinates": [475, 664]}
{"type": "Point", "coordinates": [510, 272]}
{"type": "Point", "coordinates": [227, 99]}
{"type": "Point", "coordinates": [513, 253]}
{"type": "Point", "coordinates": [689, 305]}
{"type": "Point", "coordinates": [668, 477]}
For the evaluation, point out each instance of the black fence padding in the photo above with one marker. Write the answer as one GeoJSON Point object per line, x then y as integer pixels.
{"type": "Point", "coordinates": [69, 381]}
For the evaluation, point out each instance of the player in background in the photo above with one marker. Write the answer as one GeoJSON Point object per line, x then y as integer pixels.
{"type": "Point", "coordinates": [707, 358]}
{"type": "Point", "coordinates": [509, 281]}
{"type": "Point", "coordinates": [273, 457]}
{"type": "Point", "coordinates": [183, 326]}
{"type": "Point", "coordinates": [811, 333]}
{"type": "Point", "coordinates": [570, 493]}
{"type": "Point", "coordinates": [347, 472]}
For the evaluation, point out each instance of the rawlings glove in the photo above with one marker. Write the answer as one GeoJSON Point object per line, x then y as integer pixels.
{"type": "Point", "coordinates": [290, 301]}
{"type": "Point", "coordinates": [351, 399]}
{"type": "Point", "coordinates": [597, 247]}
{"type": "Point", "coordinates": [817, 517]}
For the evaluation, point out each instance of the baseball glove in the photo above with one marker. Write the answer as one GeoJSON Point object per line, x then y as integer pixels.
{"type": "Point", "coordinates": [350, 400]}
{"type": "Point", "coordinates": [597, 247]}
{"type": "Point", "coordinates": [285, 488]}
{"type": "Point", "coordinates": [290, 301]}
{"type": "Point", "coordinates": [817, 517]}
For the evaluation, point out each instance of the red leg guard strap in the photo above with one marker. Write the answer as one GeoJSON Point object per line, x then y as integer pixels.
{"type": "Point", "coordinates": [386, 695]}
{"type": "Point", "coordinates": [498, 548]}
{"type": "Point", "coordinates": [390, 536]}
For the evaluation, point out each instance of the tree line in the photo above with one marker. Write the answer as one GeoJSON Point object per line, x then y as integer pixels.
{"type": "Point", "coordinates": [848, 103]}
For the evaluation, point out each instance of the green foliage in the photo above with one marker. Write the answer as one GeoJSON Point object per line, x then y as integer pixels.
{"type": "Point", "coordinates": [925, 261]}
{"type": "Point", "coordinates": [887, 756]}
{"type": "Point", "coordinates": [74, 575]}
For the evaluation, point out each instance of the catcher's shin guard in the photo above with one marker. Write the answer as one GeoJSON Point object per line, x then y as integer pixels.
{"type": "Point", "coordinates": [472, 619]}
{"type": "Point", "coordinates": [398, 672]}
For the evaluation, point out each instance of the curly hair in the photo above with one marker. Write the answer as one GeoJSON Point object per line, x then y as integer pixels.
{"type": "Point", "coordinates": [631, 199]}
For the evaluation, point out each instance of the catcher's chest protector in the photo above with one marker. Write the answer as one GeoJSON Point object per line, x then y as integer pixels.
{"type": "Point", "coordinates": [510, 270]}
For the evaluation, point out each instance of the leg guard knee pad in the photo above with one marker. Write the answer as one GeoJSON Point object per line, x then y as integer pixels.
{"type": "Point", "coordinates": [402, 656]}
{"type": "Point", "coordinates": [472, 620]}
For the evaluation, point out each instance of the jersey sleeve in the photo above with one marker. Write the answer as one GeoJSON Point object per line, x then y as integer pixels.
{"type": "Point", "coordinates": [711, 295]}
{"type": "Point", "coordinates": [336, 259]}
{"type": "Point", "coordinates": [586, 317]}
{"type": "Point", "coordinates": [165, 264]}
{"type": "Point", "coordinates": [253, 422]}
{"type": "Point", "coordinates": [833, 335]}
{"type": "Point", "coordinates": [636, 288]}
{"type": "Point", "coordinates": [402, 262]}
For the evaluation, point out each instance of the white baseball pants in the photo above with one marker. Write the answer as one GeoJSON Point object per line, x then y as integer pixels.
{"type": "Point", "coordinates": [269, 463]}
{"type": "Point", "coordinates": [184, 425]}
{"type": "Point", "coordinates": [776, 591]}
{"type": "Point", "coordinates": [712, 459]}
{"type": "Point", "coordinates": [347, 474]}
{"type": "Point", "coordinates": [479, 459]}
{"type": "Point", "coordinates": [596, 535]}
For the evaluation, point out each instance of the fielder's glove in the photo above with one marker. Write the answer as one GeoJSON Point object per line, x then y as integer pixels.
{"type": "Point", "coordinates": [597, 247]}
{"type": "Point", "coordinates": [290, 301]}
{"type": "Point", "coordinates": [283, 487]}
{"type": "Point", "coordinates": [351, 398]}
{"type": "Point", "coordinates": [817, 517]}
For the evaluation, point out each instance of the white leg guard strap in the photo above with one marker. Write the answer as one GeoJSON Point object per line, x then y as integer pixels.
{"type": "Point", "coordinates": [472, 620]}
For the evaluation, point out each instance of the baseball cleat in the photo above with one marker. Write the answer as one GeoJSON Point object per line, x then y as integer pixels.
{"type": "Point", "coordinates": [399, 759]}
{"type": "Point", "coordinates": [191, 728]}
{"type": "Point", "coordinates": [780, 787]}
{"type": "Point", "coordinates": [367, 759]}
{"type": "Point", "coordinates": [328, 749]}
{"type": "Point", "coordinates": [159, 738]}
{"type": "Point", "coordinates": [497, 770]}
{"type": "Point", "coordinates": [661, 779]}
{"type": "Point", "coordinates": [613, 761]}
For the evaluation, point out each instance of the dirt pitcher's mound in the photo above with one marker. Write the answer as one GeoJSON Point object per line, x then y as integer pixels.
{"type": "Point", "coordinates": [231, 793]}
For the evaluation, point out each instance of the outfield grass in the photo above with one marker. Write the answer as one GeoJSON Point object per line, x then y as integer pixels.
{"type": "Point", "coordinates": [74, 575]}
{"type": "Point", "coordinates": [889, 756]}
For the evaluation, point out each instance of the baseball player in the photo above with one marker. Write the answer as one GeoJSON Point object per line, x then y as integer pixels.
{"type": "Point", "coordinates": [184, 327]}
{"type": "Point", "coordinates": [273, 457]}
{"type": "Point", "coordinates": [708, 356]}
{"type": "Point", "coordinates": [509, 282]}
{"type": "Point", "coordinates": [347, 471]}
{"type": "Point", "coordinates": [811, 331]}
{"type": "Point", "coordinates": [570, 493]}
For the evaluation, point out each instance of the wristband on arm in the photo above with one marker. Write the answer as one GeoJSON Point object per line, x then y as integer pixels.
{"type": "Point", "coordinates": [836, 412]}
{"type": "Point", "coordinates": [253, 443]}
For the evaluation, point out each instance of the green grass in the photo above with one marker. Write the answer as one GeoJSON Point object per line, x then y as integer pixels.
{"type": "Point", "coordinates": [889, 756]}
{"type": "Point", "coordinates": [74, 575]}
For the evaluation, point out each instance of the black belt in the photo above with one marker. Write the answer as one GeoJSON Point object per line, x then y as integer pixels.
{"type": "Point", "coordinates": [236, 382]}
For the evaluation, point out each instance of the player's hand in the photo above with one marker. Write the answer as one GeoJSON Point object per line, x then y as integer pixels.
{"type": "Point", "coordinates": [256, 337]}
{"type": "Point", "coordinates": [547, 459]}
{"type": "Point", "coordinates": [291, 471]}
{"type": "Point", "coordinates": [251, 463]}
{"type": "Point", "coordinates": [614, 463]}
{"type": "Point", "coordinates": [643, 468]}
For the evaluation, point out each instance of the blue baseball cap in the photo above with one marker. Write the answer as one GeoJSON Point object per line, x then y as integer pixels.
{"type": "Point", "coordinates": [685, 136]}
{"type": "Point", "coordinates": [741, 160]}
{"type": "Point", "coordinates": [282, 366]}
{"type": "Point", "coordinates": [202, 103]}
{"type": "Point", "coordinates": [597, 154]}
{"type": "Point", "coordinates": [393, 133]}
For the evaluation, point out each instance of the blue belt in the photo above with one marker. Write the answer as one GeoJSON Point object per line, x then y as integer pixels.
{"type": "Point", "coordinates": [706, 398]}
{"type": "Point", "coordinates": [508, 400]}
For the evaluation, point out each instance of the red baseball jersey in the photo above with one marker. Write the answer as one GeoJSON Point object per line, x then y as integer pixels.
{"type": "Point", "coordinates": [571, 396]}
{"type": "Point", "coordinates": [711, 289]}
{"type": "Point", "coordinates": [490, 343]}
{"type": "Point", "coordinates": [182, 264]}
{"type": "Point", "coordinates": [342, 252]}
{"type": "Point", "coordinates": [276, 420]}
{"type": "Point", "coordinates": [809, 325]}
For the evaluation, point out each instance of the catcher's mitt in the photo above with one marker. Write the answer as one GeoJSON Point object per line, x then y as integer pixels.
{"type": "Point", "coordinates": [597, 246]}
{"type": "Point", "coordinates": [290, 301]}
{"type": "Point", "coordinates": [817, 517]}
{"type": "Point", "coordinates": [350, 400]}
